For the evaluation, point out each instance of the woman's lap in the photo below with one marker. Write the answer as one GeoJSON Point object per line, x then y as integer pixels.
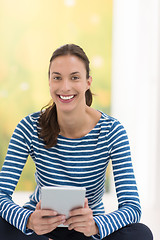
{"type": "Point", "coordinates": [137, 231]}
{"type": "Point", "coordinates": [62, 233]}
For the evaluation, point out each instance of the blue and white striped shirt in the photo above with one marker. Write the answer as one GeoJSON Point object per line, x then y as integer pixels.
{"type": "Point", "coordinates": [72, 162]}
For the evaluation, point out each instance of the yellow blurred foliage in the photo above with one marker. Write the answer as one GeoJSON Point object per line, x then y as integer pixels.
{"type": "Point", "coordinates": [30, 31]}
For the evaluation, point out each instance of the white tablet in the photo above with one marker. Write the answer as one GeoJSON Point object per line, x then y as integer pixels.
{"type": "Point", "coordinates": [62, 199]}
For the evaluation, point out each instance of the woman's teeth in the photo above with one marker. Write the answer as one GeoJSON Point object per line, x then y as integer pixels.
{"type": "Point", "coordinates": [66, 97]}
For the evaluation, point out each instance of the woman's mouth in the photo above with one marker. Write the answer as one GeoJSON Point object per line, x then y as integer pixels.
{"type": "Point", "coordinates": [66, 98]}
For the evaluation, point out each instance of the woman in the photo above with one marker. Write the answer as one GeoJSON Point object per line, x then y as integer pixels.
{"type": "Point", "coordinates": [71, 145]}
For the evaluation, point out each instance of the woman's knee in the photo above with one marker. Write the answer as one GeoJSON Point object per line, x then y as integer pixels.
{"type": "Point", "coordinates": [135, 231]}
{"type": "Point", "coordinates": [143, 231]}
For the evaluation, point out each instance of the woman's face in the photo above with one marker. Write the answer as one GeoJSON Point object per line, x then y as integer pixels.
{"type": "Point", "coordinates": [68, 83]}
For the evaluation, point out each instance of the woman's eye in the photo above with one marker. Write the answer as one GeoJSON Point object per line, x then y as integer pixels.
{"type": "Point", "coordinates": [75, 78]}
{"type": "Point", "coordinates": [56, 78]}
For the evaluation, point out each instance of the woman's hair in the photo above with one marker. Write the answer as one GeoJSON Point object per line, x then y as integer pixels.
{"type": "Point", "coordinates": [49, 128]}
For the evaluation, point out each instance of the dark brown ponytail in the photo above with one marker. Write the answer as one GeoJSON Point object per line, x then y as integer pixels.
{"type": "Point", "coordinates": [49, 128]}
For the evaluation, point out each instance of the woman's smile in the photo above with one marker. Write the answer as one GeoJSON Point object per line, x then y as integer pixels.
{"type": "Point", "coordinates": [66, 98]}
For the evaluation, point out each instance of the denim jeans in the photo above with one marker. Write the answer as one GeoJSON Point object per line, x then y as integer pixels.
{"type": "Point", "coordinates": [135, 231]}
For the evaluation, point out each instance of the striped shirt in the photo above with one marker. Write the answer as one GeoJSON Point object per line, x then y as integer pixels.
{"type": "Point", "coordinates": [78, 162]}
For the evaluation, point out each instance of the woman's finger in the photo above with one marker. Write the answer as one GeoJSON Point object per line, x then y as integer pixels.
{"type": "Point", "coordinates": [38, 206]}
{"type": "Point", "coordinates": [42, 225]}
{"type": "Point", "coordinates": [52, 220]}
{"type": "Point", "coordinates": [86, 203]}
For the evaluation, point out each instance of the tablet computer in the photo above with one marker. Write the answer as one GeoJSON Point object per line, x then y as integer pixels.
{"type": "Point", "coordinates": [62, 199]}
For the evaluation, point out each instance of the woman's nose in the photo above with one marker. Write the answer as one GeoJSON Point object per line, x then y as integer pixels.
{"type": "Point", "coordinates": [66, 86]}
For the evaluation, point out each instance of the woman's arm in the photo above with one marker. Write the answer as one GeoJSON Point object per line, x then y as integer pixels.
{"type": "Point", "coordinates": [17, 154]}
{"type": "Point", "coordinates": [129, 209]}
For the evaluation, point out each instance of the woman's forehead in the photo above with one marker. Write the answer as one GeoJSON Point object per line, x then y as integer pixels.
{"type": "Point", "coordinates": [67, 62]}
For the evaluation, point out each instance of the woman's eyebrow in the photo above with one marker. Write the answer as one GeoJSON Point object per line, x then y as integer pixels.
{"type": "Point", "coordinates": [56, 73]}
{"type": "Point", "coordinates": [74, 73]}
{"type": "Point", "coordinates": [60, 73]}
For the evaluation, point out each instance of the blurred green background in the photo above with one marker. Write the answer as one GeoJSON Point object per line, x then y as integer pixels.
{"type": "Point", "coordinates": [30, 30]}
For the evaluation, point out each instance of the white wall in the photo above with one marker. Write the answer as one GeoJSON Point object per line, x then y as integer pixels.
{"type": "Point", "coordinates": [135, 87]}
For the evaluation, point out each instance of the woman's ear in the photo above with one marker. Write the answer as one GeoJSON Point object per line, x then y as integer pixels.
{"type": "Point", "coordinates": [89, 81]}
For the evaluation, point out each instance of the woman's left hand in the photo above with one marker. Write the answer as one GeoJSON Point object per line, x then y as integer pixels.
{"type": "Point", "coordinates": [81, 220]}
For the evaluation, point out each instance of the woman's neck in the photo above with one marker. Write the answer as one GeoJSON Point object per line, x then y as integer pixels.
{"type": "Point", "coordinates": [76, 125]}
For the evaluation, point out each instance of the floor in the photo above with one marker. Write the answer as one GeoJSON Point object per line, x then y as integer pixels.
{"type": "Point", "coordinates": [150, 216]}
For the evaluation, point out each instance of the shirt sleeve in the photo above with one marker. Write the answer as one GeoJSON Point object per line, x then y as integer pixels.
{"type": "Point", "coordinates": [17, 154]}
{"type": "Point", "coordinates": [129, 209]}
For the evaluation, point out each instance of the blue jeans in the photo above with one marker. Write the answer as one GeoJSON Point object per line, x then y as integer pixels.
{"type": "Point", "coordinates": [8, 232]}
{"type": "Point", "coordinates": [135, 231]}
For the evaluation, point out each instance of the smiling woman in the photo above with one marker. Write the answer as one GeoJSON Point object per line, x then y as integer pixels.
{"type": "Point", "coordinates": [71, 144]}
{"type": "Point", "coordinates": [69, 81]}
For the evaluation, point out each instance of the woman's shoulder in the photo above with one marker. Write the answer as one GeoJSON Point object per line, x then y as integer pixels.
{"type": "Point", "coordinates": [35, 115]}
{"type": "Point", "coordinates": [31, 119]}
{"type": "Point", "coordinates": [107, 119]}
{"type": "Point", "coordinates": [111, 125]}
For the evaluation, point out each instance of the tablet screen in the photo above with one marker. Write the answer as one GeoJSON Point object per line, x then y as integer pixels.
{"type": "Point", "coordinates": [62, 199]}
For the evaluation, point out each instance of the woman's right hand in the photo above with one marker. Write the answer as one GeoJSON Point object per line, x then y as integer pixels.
{"type": "Point", "coordinates": [44, 221]}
